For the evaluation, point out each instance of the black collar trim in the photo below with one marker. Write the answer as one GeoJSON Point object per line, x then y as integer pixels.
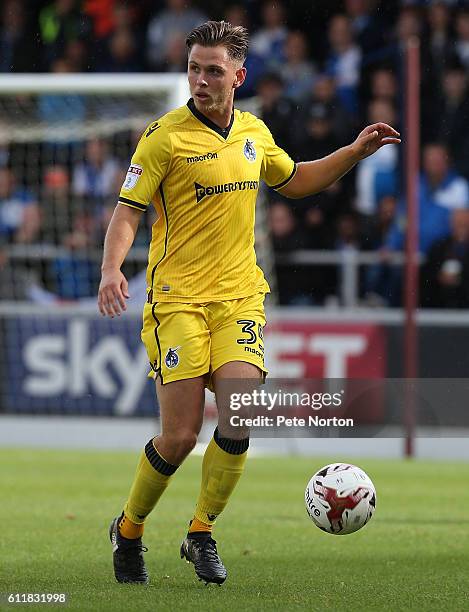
{"type": "Point", "coordinates": [224, 132]}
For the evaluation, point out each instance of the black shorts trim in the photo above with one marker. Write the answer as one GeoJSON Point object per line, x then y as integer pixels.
{"type": "Point", "coordinates": [160, 363]}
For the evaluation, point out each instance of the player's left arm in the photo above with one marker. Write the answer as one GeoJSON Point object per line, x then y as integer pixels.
{"type": "Point", "coordinates": [314, 176]}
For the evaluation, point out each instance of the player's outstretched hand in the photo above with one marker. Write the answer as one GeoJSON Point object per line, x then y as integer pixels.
{"type": "Point", "coordinates": [373, 137]}
{"type": "Point", "coordinates": [113, 291]}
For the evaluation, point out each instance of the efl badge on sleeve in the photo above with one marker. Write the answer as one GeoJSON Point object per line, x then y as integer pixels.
{"type": "Point", "coordinates": [131, 178]}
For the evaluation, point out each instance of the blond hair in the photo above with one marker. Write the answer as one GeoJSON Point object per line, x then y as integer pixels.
{"type": "Point", "coordinates": [214, 33]}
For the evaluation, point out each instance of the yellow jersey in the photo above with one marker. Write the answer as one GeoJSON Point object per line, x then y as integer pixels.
{"type": "Point", "coordinates": [203, 181]}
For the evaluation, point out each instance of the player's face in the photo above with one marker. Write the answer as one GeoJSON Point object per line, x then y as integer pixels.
{"type": "Point", "coordinates": [213, 77]}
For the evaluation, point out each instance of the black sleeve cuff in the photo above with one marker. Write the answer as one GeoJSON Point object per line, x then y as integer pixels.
{"type": "Point", "coordinates": [283, 183]}
{"type": "Point", "coordinates": [132, 203]}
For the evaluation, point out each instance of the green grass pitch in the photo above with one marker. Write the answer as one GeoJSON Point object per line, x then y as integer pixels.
{"type": "Point", "coordinates": [414, 554]}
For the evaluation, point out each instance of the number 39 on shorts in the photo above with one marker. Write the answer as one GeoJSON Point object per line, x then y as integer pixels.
{"type": "Point", "coordinates": [248, 327]}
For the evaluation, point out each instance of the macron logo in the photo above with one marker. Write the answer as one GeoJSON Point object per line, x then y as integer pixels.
{"type": "Point", "coordinates": [200, 158]}
{"type": "Point", "coordinates": [152, 128]}
{"type": "Point", "coordinates": [201, 192]}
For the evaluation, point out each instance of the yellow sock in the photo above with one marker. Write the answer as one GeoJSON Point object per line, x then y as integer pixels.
{"type": "Point", "coordinates": [151, 479]}
{"type": "Point", "coordinates": [222, 467]}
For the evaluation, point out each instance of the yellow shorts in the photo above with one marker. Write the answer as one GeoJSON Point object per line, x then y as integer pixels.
{"type": "Point", "coordinates": [189, 340]}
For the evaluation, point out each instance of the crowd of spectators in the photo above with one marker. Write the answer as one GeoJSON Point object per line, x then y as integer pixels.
{"type": "Point", "coordinates": [320, 72]}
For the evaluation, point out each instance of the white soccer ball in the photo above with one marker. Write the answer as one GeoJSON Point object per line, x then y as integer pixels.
{"type": "Point", "coordinates": [340, 498]}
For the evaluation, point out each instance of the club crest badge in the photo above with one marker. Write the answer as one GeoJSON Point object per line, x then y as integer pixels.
{"type": "Point", "coordinates": [172, 358]}
{"type": "Point", "coordinates": [249, 150]}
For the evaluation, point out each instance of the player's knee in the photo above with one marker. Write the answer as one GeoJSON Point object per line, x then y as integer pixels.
{"type": "Point", "coordinates": [234, 425]}
{"type": "Point", "coordinates": [230, 432]}
{"type": "Point", "coordinates": [183, 443]}
{"type": "Point", "coordinates": [188, 440]}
